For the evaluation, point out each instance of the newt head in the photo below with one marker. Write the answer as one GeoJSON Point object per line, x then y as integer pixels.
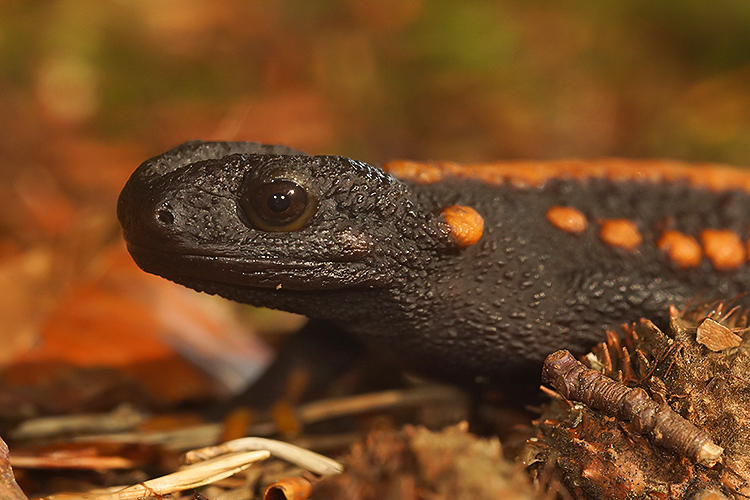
{"type": "Point", "coordinates": [267, 217]}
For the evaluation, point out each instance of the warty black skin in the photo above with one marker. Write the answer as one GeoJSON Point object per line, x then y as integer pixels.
{"type": "Point", "coordinates": [378, 259]}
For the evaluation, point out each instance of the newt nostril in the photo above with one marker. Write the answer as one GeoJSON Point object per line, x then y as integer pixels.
{"type": "Point", "coordinates": [165, 216]}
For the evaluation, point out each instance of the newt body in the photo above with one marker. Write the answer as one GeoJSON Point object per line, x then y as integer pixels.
{"type": "Point", "coordinates": [461, 274]}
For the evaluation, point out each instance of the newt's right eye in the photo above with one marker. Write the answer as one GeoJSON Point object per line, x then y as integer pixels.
{"type": "Point", "coordinates": [277, 205]}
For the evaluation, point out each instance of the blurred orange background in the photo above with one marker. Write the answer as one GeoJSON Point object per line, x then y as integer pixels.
{"type": "Point", "coordinates": [90, 88]}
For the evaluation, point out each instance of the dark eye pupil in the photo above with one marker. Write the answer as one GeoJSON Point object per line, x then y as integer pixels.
{"type": "Point", "coordinates": [278, 202]}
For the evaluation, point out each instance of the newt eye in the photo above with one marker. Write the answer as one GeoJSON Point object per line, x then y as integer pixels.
{"type": "Point", "coordinates": [277, 205]}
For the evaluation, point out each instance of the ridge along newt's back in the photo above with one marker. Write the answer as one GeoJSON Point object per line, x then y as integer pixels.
{"type": "Point", "coordinates": [462, 272]}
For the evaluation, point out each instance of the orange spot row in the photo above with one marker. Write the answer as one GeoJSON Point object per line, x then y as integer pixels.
{"type": "Point", "coordinates": [723, 247]}
{"type": "Point", "coordinates": [620, 233]}
{"type": "Point", "coordinates": [568, 219]}
{"type": "Point", "coordinates": [530, 174]}
{"type": "Point", "coordinates": [682, 249]}
{"type": "Point", "coordinates": [465, 223]}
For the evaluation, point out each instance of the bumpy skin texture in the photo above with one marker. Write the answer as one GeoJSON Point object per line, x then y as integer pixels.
{"type": "Point", "coordinates": [379, 260]}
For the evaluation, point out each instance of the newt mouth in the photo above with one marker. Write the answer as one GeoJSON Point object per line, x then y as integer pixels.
{"type": "Point", "coordinates": [261, 273]}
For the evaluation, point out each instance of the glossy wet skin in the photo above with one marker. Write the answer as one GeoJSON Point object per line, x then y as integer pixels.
{"type": "Point", "coordinates": [273, 221]}
{"type": "Point", "coordinates": [339, 240]}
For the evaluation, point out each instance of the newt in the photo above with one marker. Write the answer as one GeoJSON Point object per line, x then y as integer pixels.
{"type": "Point", "coordinates": [468, 273]}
